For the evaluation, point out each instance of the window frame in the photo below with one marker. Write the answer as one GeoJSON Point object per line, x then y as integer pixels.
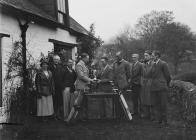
{"type": "Point", "coordinates": [60, 12]}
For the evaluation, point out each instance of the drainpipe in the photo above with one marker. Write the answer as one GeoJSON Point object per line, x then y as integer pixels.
{"type": "Point", "coordinates": [23, 28]}
{"type": "Point", "coordinates": [67, 13]}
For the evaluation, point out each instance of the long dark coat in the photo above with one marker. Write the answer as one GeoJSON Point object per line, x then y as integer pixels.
{"type": "Point", "coordinates": [146, 84]}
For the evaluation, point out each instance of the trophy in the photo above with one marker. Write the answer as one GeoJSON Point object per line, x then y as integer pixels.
{"type": "Point", "coordinates": [94, 75]}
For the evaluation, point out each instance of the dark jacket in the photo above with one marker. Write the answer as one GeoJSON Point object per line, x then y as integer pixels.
{"type": "Point", "coordinates": [44, 85]}
{"type": "Point", "coordinates": [69, 79]}
{"type": "Point", "coordinates": [136, 73]}
{"type": "Point", "coordinates": [121, 73]}
{"type": "Point", "coordinates": [57, 71]}
{"type": "Point", "coordinates": [160, 76]}
{"type": "Point", "coordinates": [105, 76]}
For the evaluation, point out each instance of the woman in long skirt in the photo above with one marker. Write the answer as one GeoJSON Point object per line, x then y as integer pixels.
{"type": "Point", "coordinates": [45, 89]}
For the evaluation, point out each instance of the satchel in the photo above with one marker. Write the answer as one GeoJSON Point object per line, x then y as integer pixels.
{"type": "Point", "coordinates": [45, 91]}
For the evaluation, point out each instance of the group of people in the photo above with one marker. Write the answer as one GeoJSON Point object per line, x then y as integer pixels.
{"type": "Point", "coordinates": [60, 87]}
{"type": "Point", "coordinates": [54, 84]}
{"type": "Point", "coordinates": [149, 81]}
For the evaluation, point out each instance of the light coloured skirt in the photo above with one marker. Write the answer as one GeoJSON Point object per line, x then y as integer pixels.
{"type": "Point", "coordinates": [45, 106]}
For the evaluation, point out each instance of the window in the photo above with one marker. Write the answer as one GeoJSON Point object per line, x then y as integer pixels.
{"type": "Point", "coordinates": [1, 91]}
{"type": "Point", "coordinates": [61, 7]}
{"type": "Point", "coordinates": [63, 49]}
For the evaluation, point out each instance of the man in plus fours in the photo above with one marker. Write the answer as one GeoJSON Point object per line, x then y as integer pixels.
{"type": "Point", "coordinates": [81, 85]}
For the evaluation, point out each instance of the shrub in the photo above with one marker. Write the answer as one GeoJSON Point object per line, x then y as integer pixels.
{"type": "Point", "coordinates": [187, 77]}
{"type": "Point", "coordinates": [183, 94]}
{"type": "Point", "coordinates": [16, 100]}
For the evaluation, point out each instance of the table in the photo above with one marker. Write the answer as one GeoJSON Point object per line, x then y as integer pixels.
{"type": "Point", "coordinates": [115, 102]}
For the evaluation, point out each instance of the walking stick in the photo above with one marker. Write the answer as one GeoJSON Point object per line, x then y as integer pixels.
{"type": "Point", "coordinates": [75, 109]}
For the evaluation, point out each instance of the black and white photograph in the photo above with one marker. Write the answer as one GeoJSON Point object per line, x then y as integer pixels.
{"type": "Point", "coordinates": [97, 69]}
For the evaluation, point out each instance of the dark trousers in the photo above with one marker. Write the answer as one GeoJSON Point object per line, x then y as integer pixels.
{"type": "Point", "coordinates": [136, 89]}
{"type": "Point", "coordinates": [146, 111]}
{"type": "Point", "coordinates": [58, 102]}
{"type": "Point", "coordinates": [160, 100]}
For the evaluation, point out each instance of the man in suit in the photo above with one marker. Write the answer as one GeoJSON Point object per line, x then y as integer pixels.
{"type": "Point", "coordinates": [121, 72]}
{"type": "Point", "coordinates": [105, 75]}
{"type": "Point", "coordinates": [136, 73]}
{"type": "Point", "coordinates": [121, 77]}
{"type": "Point", "coordinates": [160, 82]}
{"type": "Point", "coordinates": [57, 71]}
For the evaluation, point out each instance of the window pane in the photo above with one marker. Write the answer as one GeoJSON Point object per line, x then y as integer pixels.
{"type": "Point", "coordinates": [61, 5]}
{"type": "Point", "coordinates": [58, 4]}
{"type": "Point", "coordinates": [60, 18]}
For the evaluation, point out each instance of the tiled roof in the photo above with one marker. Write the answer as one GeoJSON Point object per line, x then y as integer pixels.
{"type": "Point", "coordinates": [29, 7]}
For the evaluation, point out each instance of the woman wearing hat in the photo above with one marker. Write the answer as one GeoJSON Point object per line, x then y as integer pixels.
{"type": "Point", "coordinates": [45, 89]}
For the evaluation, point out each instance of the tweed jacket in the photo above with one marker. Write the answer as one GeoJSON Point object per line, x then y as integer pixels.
{"type": "Point", "coordinates": [83, 79]}
{"type": "Point", "coordinates": [160, 76]}
{"type": "Point", "coordinates": [121, 73]}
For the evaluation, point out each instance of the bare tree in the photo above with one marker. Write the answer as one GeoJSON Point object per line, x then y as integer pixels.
{"type": "Point", "coordinates": [149, 24]}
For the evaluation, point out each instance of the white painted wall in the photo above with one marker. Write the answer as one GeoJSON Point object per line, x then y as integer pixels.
{"type": "Point", "coordinates": [37, 39]}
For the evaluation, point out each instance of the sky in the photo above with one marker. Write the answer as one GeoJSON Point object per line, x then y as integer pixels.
{"type": "Point", "coordinates": [112, 16]}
